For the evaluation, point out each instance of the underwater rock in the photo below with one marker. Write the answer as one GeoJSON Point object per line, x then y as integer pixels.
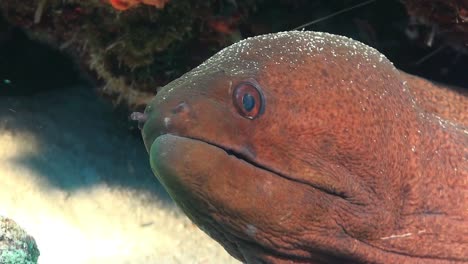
{"type": "Point", "coordinates": [16, 246]}
{"type": "Point", "coordinates": [447, 20]}
{"type": "Point", "coordinates": [130, 54]}
{"type": "Point", "coordinates": [126, 4]}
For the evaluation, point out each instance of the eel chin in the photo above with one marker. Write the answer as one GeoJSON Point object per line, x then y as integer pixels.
{"type": "Point", "coordinates": [228, 196]}
{"type": "Point", "coordinates": [210, 184]}
{"type": "Point", "coordinates": [201, 170]}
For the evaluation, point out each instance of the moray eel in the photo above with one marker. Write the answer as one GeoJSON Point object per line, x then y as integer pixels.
{"type": "Point", "coordinates": [307, 147]}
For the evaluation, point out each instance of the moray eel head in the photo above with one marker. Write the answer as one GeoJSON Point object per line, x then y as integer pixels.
{"type": "Point", "coordinates": [266, 146]}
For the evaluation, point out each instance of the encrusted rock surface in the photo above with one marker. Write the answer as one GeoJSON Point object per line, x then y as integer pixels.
{"type": "Point", "coordinates": [132, 47]}
{"type": "Point", "coordinates": [16, 246]}
{"type": "Point", "coordinates": [446, 19]}
{"type": "Point", "coordinates": [128, 53]}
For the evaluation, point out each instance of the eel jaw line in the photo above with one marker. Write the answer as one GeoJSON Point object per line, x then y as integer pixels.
{"type": "Point", "coordinates": [248, 157]}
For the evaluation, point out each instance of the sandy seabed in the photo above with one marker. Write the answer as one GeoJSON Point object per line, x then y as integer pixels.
{"type": "Point", "coordinates": [77, 180]}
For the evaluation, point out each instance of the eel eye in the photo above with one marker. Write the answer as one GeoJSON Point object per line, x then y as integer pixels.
{"type": "Point", "coordinates": [248, 99]}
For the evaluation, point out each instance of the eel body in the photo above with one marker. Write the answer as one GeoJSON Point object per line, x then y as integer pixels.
{"type": "Point", "coordinates": [308, 147]}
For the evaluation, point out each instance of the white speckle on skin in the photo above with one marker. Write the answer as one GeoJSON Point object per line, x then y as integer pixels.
{"type": "Point", "coordinates": [397, 236]}
{"type": "Point", "coordinates": [251, 230]}
{"type": "Point", "coordinates": [245, 56]}
{"type": "Point", "coordinates": [167, 122]}
{"type": "Point", "coordinates": [403, 235]}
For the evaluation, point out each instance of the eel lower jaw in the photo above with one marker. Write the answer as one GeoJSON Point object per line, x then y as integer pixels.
{"type": "Point", "coordinates": [246, 156]}
{"type": "Point", "coordinates": [249, 157]}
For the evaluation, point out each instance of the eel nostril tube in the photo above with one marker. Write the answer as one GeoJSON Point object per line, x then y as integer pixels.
{"type": "Point", "coordinates": [140, 117]}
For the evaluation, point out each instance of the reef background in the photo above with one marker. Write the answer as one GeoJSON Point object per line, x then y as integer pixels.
{"type": "Point", "coordinates": [75, 178]}
{"type": "Point", "coordinates": [129, 48]}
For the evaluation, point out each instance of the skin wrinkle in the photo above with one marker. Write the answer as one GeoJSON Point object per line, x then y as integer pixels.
{"type": "Point", "coordinates": [318, 161]}
{"type": "Point", "coordinates": [396, 252]}
{"type": "Point", "coordinates": [313, 159]}
{"type": "Point", "coordinates": [291, 245]}
{"type": "Point", "coordinates": [335, 163]}
{"type": "Point", "coordinates": [215, 227]}
{"type": "Point", "coordinates": [279, 236]}
{"type": "Point", "coordinates": [268, 237]}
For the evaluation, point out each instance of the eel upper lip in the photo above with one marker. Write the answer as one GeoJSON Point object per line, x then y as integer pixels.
{"type": "Point", "coordinates": [247, 157]}
{"type": "Point", "coordinates": [250, 161]}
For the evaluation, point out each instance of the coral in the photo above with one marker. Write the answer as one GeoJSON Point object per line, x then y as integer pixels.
{"type": "Point", "coordinates": [131, 53]}
{"type": "Point", "coordinates": [126, 4]}
{"type": "Point", "coordinates": [446, 19]}
{"type": "Point", "coordinates": [16, 246]}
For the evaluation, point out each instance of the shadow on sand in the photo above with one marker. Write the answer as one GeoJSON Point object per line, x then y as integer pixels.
{"type": "Point", "coordinates": [79, 141]}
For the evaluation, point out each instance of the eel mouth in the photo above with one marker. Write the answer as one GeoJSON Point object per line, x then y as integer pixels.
{"type": "Point", "coordinates": [248, 156]}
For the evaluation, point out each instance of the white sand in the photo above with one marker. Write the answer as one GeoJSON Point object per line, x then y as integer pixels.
{"type": "Point", "coordinates": [80, 183]}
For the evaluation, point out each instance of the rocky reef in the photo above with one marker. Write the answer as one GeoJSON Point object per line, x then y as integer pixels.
{"type": "Point", "coordinates": [446, 19]}
{"type": "Point", "coordinates": [16, 246]}
{"type": "Point", "coordinates": [131, 47]}
{"type": "Point", "coordinates": [129, 53]}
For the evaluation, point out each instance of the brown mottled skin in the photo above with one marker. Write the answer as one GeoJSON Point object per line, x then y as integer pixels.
{"type": "Point", "coordinates": [350, 161]}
